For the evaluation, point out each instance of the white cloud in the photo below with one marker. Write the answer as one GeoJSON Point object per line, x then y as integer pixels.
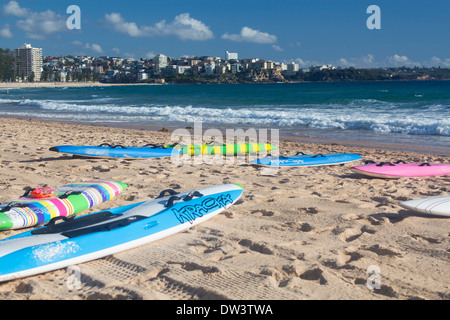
{"type": "Point", "coordinates": [400, 61]}
{"type": "Point", "coordinates": [436, 62]}
{"type": "Point", "coordinates": [122, 26]}
{"type": "Point", "coordinates": [300, 62]}
{"type": "Point", "coordinates": [304, 63]}
{"type": "Point", "coordinates": [13, 8]}
{"type": "Point", "coordinates": [345, 63]}
{"type": "Point", "coordinates": [150, 55]}
{"type": "Point", "coordinates": [5, 32]}
{"type": "Point", "coordinates": [36, 24]}
{"type": "Point", "coordinates": [250, 35]}
{"type": "Point", "coordinates": [396, 59]}
{"type": "Point", "coordinates": [277, 47]}
{"type": "Point", "coordinates": [183, 27]}
{"type": "Point", "coordinates": [94, 47]}
{"type": "Point", "coordinates": [446, 63]}
{"type": "Point", "coordinates": [367, 61]}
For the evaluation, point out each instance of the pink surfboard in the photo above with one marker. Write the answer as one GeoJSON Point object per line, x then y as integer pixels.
{"type": "Point", "coordinates": [399, 170]}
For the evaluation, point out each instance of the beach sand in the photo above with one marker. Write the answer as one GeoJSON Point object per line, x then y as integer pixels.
{"type": "Point", "coordinates": [302, 233]}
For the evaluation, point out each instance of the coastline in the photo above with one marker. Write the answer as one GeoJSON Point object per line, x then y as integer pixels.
{"type": "Point", "coordinates": [303, 233]}
{"type": "Point", "coordinates": [13, 85]}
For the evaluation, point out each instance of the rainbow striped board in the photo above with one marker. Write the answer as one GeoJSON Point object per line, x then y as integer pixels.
{"type": "Point", "coordinates": [69, 200]}
{"type": "Point", "coordinates": [226, 148]}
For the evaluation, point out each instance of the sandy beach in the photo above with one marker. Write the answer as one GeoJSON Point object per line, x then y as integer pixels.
{"type": "Point", "coordinates": [302, 233]}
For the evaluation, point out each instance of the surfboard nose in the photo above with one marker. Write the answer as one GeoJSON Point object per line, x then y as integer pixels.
{"type": "Point", "coordinates": [122, 185]}
{"type": "Point", "coordinates": [5, 222]}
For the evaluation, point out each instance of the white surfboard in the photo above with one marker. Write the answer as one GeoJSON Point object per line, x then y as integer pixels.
{"type": "Point", "coordinates": [436, 205]}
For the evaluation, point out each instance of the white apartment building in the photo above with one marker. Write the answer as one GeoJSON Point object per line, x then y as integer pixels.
{"type": "Point", "coordinates": [160, 62]}
{"type": "Point", "coordinates": [28, 61]}
{"type": "Point", "coordinates": [183, 69]}
{"type": "Point", "coordinates": [292, 69]}
{"type": "Point", "coordinates": [142, 76]}
{"type": "Point", "coordinates": [231, 56]}
{"type": "Point", "coordinates": [210, 68]}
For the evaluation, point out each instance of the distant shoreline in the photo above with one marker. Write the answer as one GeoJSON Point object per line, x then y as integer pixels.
{"type": "Point", "coordinates": [15, 85]}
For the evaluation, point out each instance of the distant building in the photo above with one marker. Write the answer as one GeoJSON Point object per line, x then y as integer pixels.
{"type": "Point", "coordinates": [292, 69]}
{"type": "Point", "coordinates": [327, 67]}
{"type": "Point", "coordinates": [235, 67]}
{"type": "Point", "coordinates": [231, 56]}
{"type": "Point", "coordinates": [183, 69]}
{"type": "Point", "coordinates": [142, 76]}
{"type": "Point", "coordinates": [160, 62]}
{"type": "Point", "coordinates": [210, 68]}
{"type": "Point", "coordinates": [29, 62]}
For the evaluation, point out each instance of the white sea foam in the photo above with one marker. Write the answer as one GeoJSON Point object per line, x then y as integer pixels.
{"type": "Point", "coordinates": [358, 114]}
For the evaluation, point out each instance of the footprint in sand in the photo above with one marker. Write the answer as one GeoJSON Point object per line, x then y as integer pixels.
{"type": "Point", "coordinates": [257, 247]}
{"type": "Point", "coordinates": [351, 234]}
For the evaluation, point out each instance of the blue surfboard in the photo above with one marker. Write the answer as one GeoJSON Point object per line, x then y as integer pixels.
{"type": "Point", "coordinates": [306, 160]}
{"type": "Point", "coordinates": [93, 236]}
{"type": "Point", "coordinates": [118, 151]}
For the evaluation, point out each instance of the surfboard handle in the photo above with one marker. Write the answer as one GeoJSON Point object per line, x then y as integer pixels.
{"type": "Point", "coordinates": [169, 191]}
{"type": "Point", "coordinates": [393, 164]}
{"type": "Point", "coordinates": [189, 197]}
{"type": "Point", "coordinates": [104, 227]}
{"type": "Point", "coordinates": [69, 193]}
{"type": "Point", "coordinates": [171, 201]}
{"type": "Point", "coordinates": [385, 164]}
{"type": "Point", "coordinates": [70, 224]}
{"type": "Point", "coordinates": [112, 146]}
{"type": "Point", "coordinates": [27, 193]}
{"type": "Point", "coordinates": [192, 195]}
{"type": "Point", "coordinates": [300, 153]}
{"type": "Point", "coordinates": [319, 155]}
{"type": "Point", "coordinates": [154, 146]}
{"type": "Point", "coordinates": [14, 205]}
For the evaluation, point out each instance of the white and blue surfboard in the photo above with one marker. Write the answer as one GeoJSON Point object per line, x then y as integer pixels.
{"type": "Point", "coordinates": [93, 236]}
{"type": "Point", "coordinates": [306, 160]}
{"type": "Point", "coordinates": [118, 151]}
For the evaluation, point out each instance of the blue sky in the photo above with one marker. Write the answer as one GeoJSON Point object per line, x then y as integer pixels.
{"type": "Point", "coordinates": [309, 32]}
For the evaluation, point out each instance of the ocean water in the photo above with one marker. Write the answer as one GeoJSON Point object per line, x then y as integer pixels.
{"type": "Point", "coordinates": [403, 113]}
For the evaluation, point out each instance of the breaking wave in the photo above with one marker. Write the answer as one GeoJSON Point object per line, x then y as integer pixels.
{"type": "Point", "coordinates": [357, 114]}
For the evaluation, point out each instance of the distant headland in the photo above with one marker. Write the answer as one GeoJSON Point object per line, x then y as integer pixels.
{"type": "Point", "coordinates": [87, 70]}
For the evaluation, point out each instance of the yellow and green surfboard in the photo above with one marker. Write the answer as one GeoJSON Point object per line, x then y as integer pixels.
{"type": "Point", "coordinates": [225, 149]}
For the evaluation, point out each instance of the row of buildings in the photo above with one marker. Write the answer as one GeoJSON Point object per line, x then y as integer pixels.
{"type": "Point", "coordinates": [30, 64]}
